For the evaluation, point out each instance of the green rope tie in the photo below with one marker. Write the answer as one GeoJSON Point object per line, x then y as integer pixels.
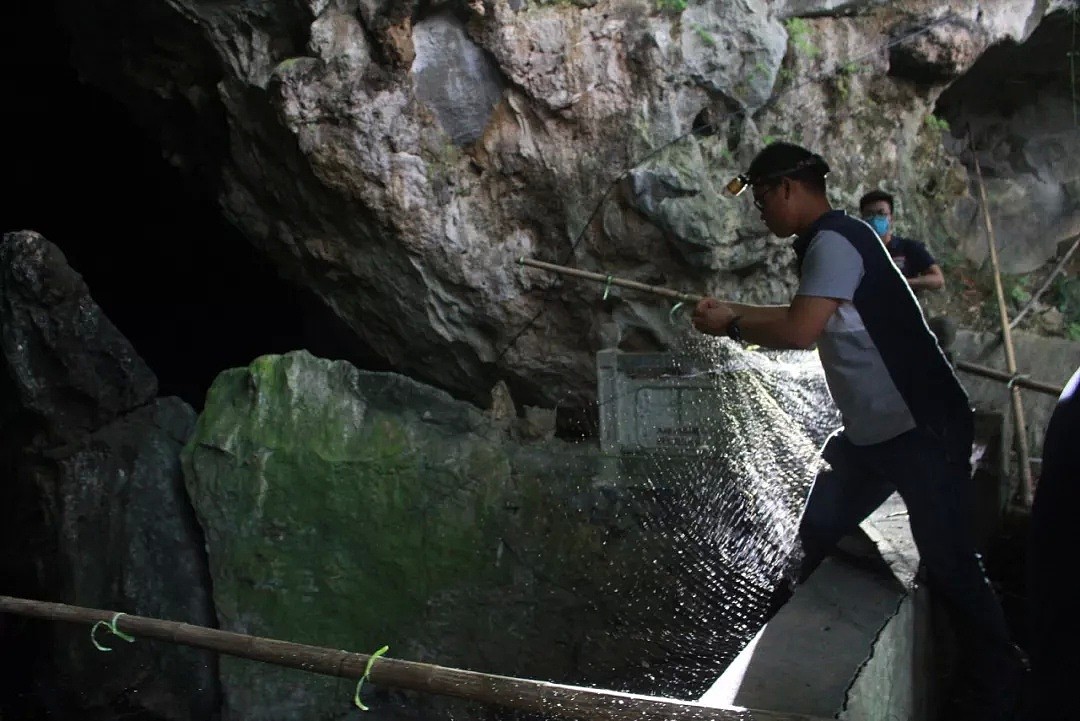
{"type": "Point", "coordinates": [367, 672]}
{"type": "Point", "coordinates": [1016, 377]}
{"type": "Point", "coordinates": [675, 309]}
{"type": "Point", "coordinates": [111, 626]}
{"type": "Point", "coordinates": [607, 287]}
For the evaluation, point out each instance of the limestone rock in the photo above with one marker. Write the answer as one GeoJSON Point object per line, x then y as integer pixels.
{"type": "Point", "coordinates": [938, 55]}
{"type": "Point", "coordinates": [537, 424]}
{"type": "Point", "coordinates": [734, 49]}
{"type": "Point", "coordinates": [502, 408]}
{"type": "Point", "coordinates": [454, 77]}
{"type": "Point", "coordinates": [126, 539]}
{"type": "Point", "coordinates": [1021, 123]}
{"type": "Point", "coordinates": [335, 504]}
{"type": "Point", "coordinates": [397, 158]}
{"type": "Point", "coordinates": [66, 363]}
{"type": "Point", "coordinates": [1052, 322]}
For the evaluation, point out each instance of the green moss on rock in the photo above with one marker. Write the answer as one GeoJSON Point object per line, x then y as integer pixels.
{"type": "Point", "coordinates": [336, 505]}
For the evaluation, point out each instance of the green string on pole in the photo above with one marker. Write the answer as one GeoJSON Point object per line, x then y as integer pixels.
{"type": "Point", "coordinates": [367, 671]}
{"type": "Point", "coordinates": [111, 626]}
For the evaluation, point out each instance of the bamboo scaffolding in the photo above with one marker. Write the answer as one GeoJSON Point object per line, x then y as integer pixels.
{"type": "Point", "coordinates": [1016, 380]}
{"type": "Point", "coordinates": [522, 694]}
{"type": "Point", "coordinates": [1049, 280]}
{"type": "Point", "coordinates": [1027, 485]}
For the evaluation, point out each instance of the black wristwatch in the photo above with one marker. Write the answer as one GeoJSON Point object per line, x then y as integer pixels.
{"type": "Point", "coordinates": [733, 330]}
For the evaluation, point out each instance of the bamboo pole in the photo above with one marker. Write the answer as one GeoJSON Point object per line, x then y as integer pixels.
{"type": "Point", "coordinates": [1018, 380]}
{"type": "Point", "coordinates": [572, 702]}
{"type": "Point", "coordinates": [991, 373]}
{"type": "Point", "coordinates": [1026, 486]}
{"type": "Point", "coordinates": [1049, 280]}
{"type": "Point", "coordinates": [611, 280]}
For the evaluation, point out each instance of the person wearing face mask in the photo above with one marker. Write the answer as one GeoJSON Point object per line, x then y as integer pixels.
{"type": "Point", "coordinates": [911, 257]}
{"type": "Point", "coordinates": [907, 422]}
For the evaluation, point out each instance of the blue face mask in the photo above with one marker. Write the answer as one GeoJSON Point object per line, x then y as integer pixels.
{"type": "Point", "coordinates": [880, 224]}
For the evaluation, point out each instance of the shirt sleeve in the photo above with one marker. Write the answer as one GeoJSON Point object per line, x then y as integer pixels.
{"type": "Point", "coordinates": [832, 268]}
{"type": "Point", "coordinates": [918, 257]}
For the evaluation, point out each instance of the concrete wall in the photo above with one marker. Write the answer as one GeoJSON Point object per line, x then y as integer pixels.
{"type": "Point", "coordinates": [1051, 360]}
{"type": "Point", "coordinates": [894, 683]}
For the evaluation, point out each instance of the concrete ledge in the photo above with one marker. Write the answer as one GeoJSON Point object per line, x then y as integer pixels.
{"type": "Point", "coordinates": [852, 643]}
{"type": "Point", "coordinates": [895, 681]}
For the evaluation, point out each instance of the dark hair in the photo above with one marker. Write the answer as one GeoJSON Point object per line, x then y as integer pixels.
{"type": "Point", "coordinates": [874, 196]}
{"type": "Point", "coordinates": [787, 160]}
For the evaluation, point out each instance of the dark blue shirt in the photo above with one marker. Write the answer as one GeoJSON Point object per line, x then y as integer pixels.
{"type": "Point", "coordinates": [910, 256]}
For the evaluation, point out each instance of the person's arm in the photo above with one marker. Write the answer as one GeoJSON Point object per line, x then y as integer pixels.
{"type": "Point", "coordinates": [831, 271]}
{"type": "Point", "coordinates": [795, 326]}
{"type": "Point", "coordinates": [930, 279]}
{"type": "Point", "coordinates": [925, 266]}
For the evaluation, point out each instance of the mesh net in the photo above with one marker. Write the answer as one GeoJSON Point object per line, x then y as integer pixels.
{"type": "Point", "coordinates": [717, 497]}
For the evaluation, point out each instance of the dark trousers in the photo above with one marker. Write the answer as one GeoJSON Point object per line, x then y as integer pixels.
{"type": "Point", "coordinates": [934, 480]}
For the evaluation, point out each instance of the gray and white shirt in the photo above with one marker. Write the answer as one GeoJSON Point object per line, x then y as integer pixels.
{"type": "Point", "coordinates": [872, 406]}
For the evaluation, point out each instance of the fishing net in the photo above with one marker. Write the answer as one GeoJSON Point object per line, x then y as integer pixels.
{"type": "Point", "coordinates": [719, 456]}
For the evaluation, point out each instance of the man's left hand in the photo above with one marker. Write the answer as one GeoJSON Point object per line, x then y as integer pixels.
{"type": "Point", "coordinates": [712, 316]}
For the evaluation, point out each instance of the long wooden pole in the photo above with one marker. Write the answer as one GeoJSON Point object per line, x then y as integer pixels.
{"type": "Point", "coordinates": [1026, 486]}
{"type": "Point", "coordinates": [611, 280]}
{"type": "Point", "coordinates": [534, 696]}
{"type": "Point", "coordinates": [991, 373]}
{"type": "Point", "coordinates": [1020, 380]}
{"type": "Point", "coordinates": [1049, 280]}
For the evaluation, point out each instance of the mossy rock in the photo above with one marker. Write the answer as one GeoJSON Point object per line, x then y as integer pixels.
{"type": "Point", "coordinates": [336, 505]}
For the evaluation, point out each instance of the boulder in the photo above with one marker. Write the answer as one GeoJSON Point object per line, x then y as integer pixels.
{"type": "Point", "coordinates": [66, 363]}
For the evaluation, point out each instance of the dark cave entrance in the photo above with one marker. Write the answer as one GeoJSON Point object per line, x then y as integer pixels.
{"type": "Point", "coordinates": [1010, 76]}
{"type": "Point", "coordinates": [190, 293]}
{"type": "Point", "coordinates": [182, 284]}
{"type": "Point", "coordinates": [1018, 107]}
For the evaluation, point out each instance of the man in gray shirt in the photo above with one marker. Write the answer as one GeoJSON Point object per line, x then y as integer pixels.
{"type": "Point", "coordinates": [907, 423]}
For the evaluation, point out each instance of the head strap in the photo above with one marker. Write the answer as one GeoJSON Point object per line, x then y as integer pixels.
{"type": "Point", "coordinates": [741, 182]}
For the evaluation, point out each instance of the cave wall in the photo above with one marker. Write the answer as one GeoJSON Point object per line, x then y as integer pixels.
{"type": "Point", "coordinates": [1017, 108]}
{"type": "Point", "coordinates": [397, 159]}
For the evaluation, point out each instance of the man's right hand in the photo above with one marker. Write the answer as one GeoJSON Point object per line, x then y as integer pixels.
{"type": "Point", "coordinates": [712, 316]}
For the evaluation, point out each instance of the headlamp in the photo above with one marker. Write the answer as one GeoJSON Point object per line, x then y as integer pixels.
{"type": "Point", "coordinates": [737, 185]}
